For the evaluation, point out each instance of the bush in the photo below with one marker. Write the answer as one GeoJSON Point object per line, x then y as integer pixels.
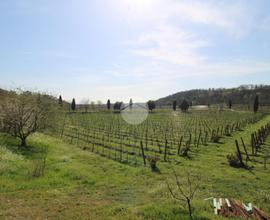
{"type": "Point", "coordinates": [216, 138]}
{"type": "Point", "coordinates": [184, 151]}
{"type": "Point", "coordinates": [153, 162]}
{"type": "Point", "coordinates": [233, 160]}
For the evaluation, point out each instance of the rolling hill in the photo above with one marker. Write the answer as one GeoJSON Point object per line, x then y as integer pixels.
{"type": "Point", "coordinates": [241, 95]}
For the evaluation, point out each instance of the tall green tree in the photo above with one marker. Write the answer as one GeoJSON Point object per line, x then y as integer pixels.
{"type": "Point", "coordinates": [184, 106]}
{"type": "Point", "coordinates": [73, 105]}
{"type": "Point", "coordinates": [256, 104]}
{"type": "Point", "coordinates": [108, 104]}
{"type": "Point", "coordinates": [60, 101]}
{"type": "Point", "coordinates": [151, 105]}
{"type": "Point", "coordinates": [174, 105]}
{"type": "Point", "coordinates": [130, 103]}
{"type": "Point", "coordinates": [117, 105]}
{"type": "Point", "coordinates": [230, 104]}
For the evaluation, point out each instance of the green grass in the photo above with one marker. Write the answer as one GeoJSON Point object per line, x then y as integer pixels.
{"type": "Point", "coordinates": [78, 184]}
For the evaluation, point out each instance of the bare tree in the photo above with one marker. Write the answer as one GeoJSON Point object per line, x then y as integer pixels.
{"type": "Point", "coordinates": [22, 114]}
{"type": "Point", "coordinates": [183, 190]}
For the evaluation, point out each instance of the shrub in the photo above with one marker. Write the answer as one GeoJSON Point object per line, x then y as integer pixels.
{"type": "Point", "coordinates": [233, 160]}
{"type": "Point", "coordinates": [216, 138]}
{"type": "Point", "coordinates": [184, 151]}
{"type": "Point", "coordinates": [153, 162]}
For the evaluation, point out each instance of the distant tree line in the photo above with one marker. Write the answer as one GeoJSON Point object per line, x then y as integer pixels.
{"type": "Point", "coordinates": [241, 95]}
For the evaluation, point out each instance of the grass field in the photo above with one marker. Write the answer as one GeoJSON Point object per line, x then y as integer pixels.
{"type": "Point", "coordinates": [79, 184]}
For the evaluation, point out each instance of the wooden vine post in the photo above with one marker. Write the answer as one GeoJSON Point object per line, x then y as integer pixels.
{"type": "Point", "coordinates": [245, 149]}
{"type": "Point", "coordinates": [165, 151]}
{"type": "Point", "coordinates": [143, 156]}
{"type": "Point", "coordinates": [179, 145]}
{"type": "Point", "coordinates": [239, 155]}
{"type": "Point", "coordinates": [252, 145]}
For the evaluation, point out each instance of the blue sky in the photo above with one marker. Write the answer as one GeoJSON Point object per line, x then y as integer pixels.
{"type": "Point", "coordinates": [140, 49]}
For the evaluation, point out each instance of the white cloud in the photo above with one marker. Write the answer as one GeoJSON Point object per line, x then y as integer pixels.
{"type": "Point", "coordinates": [235, 19]}
{"type": "Point", "coordinates": [167, 43]}
{"type": "Point", "coordinates": [239, 67]}
{"type": "Point", "coordinates": [171, 51]}
{"type": "Point", "coordinates": [165, 72]}
{"type": "Point", "coordinates": [178, 50]}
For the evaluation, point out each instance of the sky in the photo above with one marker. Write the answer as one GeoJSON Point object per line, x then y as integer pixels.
{"type": "Point", "coordinates": [139, 49]}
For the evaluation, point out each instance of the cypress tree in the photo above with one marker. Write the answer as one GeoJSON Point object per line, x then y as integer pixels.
{"type": "Point", "coordinates": [174, 105]}
{"type": "Point", "coordinates": [230, 104]}
{"type": "Point", "coordinates": [73, 105]}
{"type": "Point", "coordinates": [256, 104]}
{"type": "Point", "coordinates": [130, 103]}
{"type": "Point", "coordinates": [60, 101]}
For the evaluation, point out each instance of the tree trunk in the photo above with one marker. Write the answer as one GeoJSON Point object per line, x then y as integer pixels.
{"type": "Point", "coordinates": [23, 142]}
{"type": "Point", "coordinates": [189, 208]}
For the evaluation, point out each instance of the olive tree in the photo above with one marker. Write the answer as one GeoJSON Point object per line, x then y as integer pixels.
{"type": "Point", "coordinates": [22, 114]}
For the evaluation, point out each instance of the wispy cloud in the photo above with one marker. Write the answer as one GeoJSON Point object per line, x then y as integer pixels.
{"type": "Point", "coordinates": [133, 48]}
{"type": "Point", "coordinates": [234, 18]}
{"type": "Point", "coordinates": [167, 43]}
{"type": "Point", "coordinates": [171, 49]}
{"type": "Point", "coordinates": [165, 72]}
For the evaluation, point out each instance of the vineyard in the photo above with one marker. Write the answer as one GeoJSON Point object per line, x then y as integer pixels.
{"type": "Point", "coordinates": [97, 165]}
{"type": "Point", "coordinates": [164, 135]}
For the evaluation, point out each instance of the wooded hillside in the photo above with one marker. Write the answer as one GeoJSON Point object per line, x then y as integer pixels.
{"type": "Point", "coordinates": [241, 95]}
